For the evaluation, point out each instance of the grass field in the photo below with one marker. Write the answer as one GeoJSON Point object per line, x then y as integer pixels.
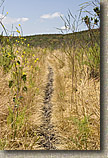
{"type": "Point", "coordinates": [50, 92]}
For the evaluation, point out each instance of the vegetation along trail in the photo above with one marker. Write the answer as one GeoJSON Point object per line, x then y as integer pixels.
{"type": "Point", "coordinates": [50, 85]}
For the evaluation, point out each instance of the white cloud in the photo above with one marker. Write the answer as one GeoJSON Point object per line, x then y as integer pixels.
{"type": "Point", "coordinates": [51, 16]}
{"type": "Point", "coordinates": [22, 19]}
{"type": "Point", "coordinates": [10, 20]}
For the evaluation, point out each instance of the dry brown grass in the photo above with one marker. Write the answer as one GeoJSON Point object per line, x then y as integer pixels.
{"type": "Point", "coordinates": [71, 107]}
{"type": "Point", "coordinates": [26, 136]}
{"type": "Point", "coordinates": [76, 105]}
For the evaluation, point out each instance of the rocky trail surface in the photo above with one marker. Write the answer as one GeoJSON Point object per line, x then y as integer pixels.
{"type": "Point", "coordinates": [47, 133]}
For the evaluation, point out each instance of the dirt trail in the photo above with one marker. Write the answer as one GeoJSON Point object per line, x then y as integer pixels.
{"type": "Point", "coordinates": [48, 135]}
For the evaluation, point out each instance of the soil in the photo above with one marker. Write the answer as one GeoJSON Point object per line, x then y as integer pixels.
{"type": "Point", "coordinates": [47, 133]}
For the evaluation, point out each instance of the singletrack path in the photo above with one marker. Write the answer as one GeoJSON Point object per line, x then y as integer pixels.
{"type": "Point", "coordinates": [46, 132]}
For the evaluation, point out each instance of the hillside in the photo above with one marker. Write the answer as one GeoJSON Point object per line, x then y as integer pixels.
{"type": "Point", "coordinates": [55, 41]}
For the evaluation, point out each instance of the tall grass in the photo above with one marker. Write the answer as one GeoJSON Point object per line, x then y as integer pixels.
{"type": "Point", "coordinates": [81, 74]}
{"type": "Point", "coordinates": [24, 92]}
{"type": "Point", "coordinates": [19, 66]}
{"type": "Point", "coordinates": [76, 105]}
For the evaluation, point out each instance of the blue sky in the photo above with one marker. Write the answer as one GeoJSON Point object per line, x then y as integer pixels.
{"type": "Point", "coordinates": [39, 16]}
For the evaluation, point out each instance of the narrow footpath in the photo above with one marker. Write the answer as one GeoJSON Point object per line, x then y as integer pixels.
{"type": "Point", "coordinates": [46, 132]}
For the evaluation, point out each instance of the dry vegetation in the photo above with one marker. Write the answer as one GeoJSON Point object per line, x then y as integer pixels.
{"type": "Point", "coordinates": [76, 104]}
{"type": "Point", "coordinates": [76, 111]}
{"type": "Point", "coordinates": [32, 99]}
{"type": "Point", "coordinates": [50, 96]}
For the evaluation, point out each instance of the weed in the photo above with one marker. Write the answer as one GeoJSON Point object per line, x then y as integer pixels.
{"type": "Point", "coordinates": [75, 59]}
{"type": "Point", "coordinates": [81, 140]}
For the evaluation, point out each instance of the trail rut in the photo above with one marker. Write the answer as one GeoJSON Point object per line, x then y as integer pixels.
{"type": "Point", "coordinates": [48, 135]}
